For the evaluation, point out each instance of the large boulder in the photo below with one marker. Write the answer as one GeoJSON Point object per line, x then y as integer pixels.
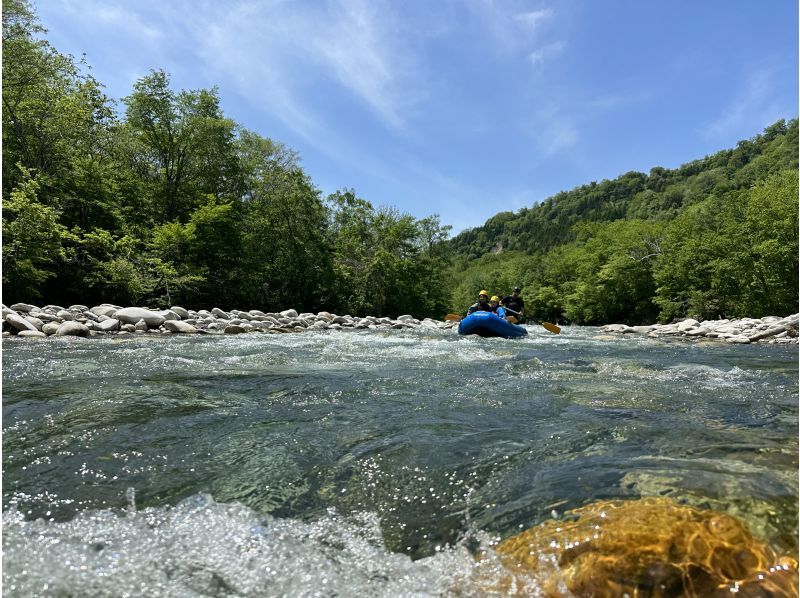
{"type": "Point", "coordinates": [109, 325]}
{"type": "Point", "coordinates": [103, 310]}
{"type": "Point", "coordinates": [51, 328]}
{"type": "Point", "coordinates": [72, 328]}
{"type": "Point", "coordinates": [182, 313]}
{"type": "Point", "coordinates": [26, 307]}
{"type": "Point", "coordinates": [17, 322]}
{"type": "Point", "coordinates": [34, 333]}
{"type": "Point", "coordinates": [132, 315]}
{"type": "Point", "coordinates": [179, 326]}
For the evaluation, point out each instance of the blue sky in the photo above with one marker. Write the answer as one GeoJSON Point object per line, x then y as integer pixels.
{"type": "Point", "coordinates": [463, 108]}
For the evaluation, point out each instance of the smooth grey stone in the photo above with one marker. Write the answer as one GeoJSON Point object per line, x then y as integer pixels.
{"type": "Point", "coordinates": [35, 321]}
{"type": "Point", "coordinates": [233, 329]}
{"type": "Point", "coordinates": [642, 329]}
{"type": "Point", "coordinates": [33, 333]}
{"type": "Point", "coordinates": [65, 315]}
{"type": "Point", "coordinates": [103, 310]}
{"type": "Point", "coordinates": [168, 314]}
{"type": "Point", "coordinates": [80, 308]}
{"type": "Point", "coordinates": [50, 328]}
{"type": "Point", "coordinates": [132, 315]}
{"type": "Point", "coordinates": [774, 331]}
{"type": "Point", "coordinates": [179, 326]}
{"type": "Point", "coordinates": [26, 307]}
{"type": "Point", "coordinates": [289, 313]}
{"type": "Point", "coordinates": [183, 313]}
{"type": "Point", "coordinates": [127, 328]}
{"type": "Point", "coordinates": [220, 314]}
{"type": "Point", "coordinates": [109, 325]}
{"type": "Point", "coordinates": [17, 322]}
{"type": "Point", "coordinates": [47, 317]}
{"type": "Point", "coordinates": [71, 328]}
{"type": "Point", "coordinates": [141, 325]}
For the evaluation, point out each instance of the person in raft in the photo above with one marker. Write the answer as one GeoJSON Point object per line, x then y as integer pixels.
{"type": "Point", "coordinates": [514, 303]}
{"type": "Point", "coordinates": [496, 307]}
{"type": "Point", "coordinates": [482, 304]}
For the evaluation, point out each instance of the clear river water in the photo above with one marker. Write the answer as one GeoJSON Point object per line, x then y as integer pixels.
{"type": "Point", "coordinates": [366, 463]}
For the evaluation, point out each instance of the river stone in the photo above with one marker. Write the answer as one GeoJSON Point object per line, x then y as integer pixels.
{"type": "Point", "coordinates": [132, 315]}
{"type": "Point", "coordinates": [699, 331]}
{"type": "Point", "coordinates": [71, 328]}
{"type": "Point", "coordinates": [26, 307]}
{"type": "Point", "coordinates": [35, 321]}
{"type": "Point", "coordinates": [127, 328]}
{"type": "Point", "coordinates": [168, 314]}
{"type": "Point", "coordinates": [7, 311]}
{"type": "Point", "coordinates": [78, 308]}
{"type": "Point", "coordinates": [767, 333]}
{"type": "Point", "coordinates": [47, 317]}
{"type": "Point", "coordinates": [34, 333]}
{"type": "Point", "coordinates": [687, 324]}
{"type": "Point", "coordinates": [405, 317]}
{"type": "Point", "coordinates": [233, 329]}
{"type": "Point", "coordinates": [141, 325]}
{"type": "Point", "coordinates": [220, 314]}
{"type": "Point", "coordinates": [103, 310]}
{"type": "Point", "coordinates": [289, 313]}
{"type": "Point", "coordinates": [738, 339]}
{"type": "Point", "coordinates": [179, 326]}
{"type": "Point", "coordinates": [642, 329]}
{"type": "Point", "coordinates": [183, 313]}
{"type": "Point", "coordinates": [65, 315]}
{"type": "Point", "coordinates": [109, 325]}
{"type": "Point", "coordinates": [19, 323]}
{"type": "Point", "coordinates": [50, 328]}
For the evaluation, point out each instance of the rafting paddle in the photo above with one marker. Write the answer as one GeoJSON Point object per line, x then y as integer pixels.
{"type": "Point", "coordinates": [546, 325]}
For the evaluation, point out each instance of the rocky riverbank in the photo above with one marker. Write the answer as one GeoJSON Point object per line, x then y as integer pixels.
{"type": "Point", "coordinates": [22, 319]}
{"type": "Point", "coordinates": [771, 329]}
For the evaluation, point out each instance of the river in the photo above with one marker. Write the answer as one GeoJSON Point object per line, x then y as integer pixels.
{"type": "Point", "coordinates": [369, 463]}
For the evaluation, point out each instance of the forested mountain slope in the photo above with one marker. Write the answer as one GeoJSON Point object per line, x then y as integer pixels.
{"type": "Point", "coordinates": [659, 195]}
{"type": "Point", "coordinates": [716, 237]}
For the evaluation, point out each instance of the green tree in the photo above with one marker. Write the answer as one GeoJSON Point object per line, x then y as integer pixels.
{"type": "Point", "coordinates": [32, 241]}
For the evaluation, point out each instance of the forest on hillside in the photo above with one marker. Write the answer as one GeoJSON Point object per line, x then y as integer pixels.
{"type": "Point", "coordinates": [716, 237]}
{"type": "Point", "coordinates": [161, 199]}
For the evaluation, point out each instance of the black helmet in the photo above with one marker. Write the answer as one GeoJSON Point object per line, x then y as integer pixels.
{"type": "Point", "coordinates": [517, 289]}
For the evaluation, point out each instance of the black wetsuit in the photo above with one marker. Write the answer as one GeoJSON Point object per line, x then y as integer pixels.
{"type": "Point", "coordinates": [516, 304]}
{"type": "Point", "coordinates": [479, 307]}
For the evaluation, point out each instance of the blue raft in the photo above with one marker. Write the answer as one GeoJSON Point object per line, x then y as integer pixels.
{"type": "Point", "coordinates": [486, 323]}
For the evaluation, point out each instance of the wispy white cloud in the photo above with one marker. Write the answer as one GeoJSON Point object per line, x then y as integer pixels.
{"type": "Point", "coordinates": [534, 18]}
{"type": "Point", "coordinates": [284, 50]}
{"type": "Point", "coordinates": [753, 104]}
{"type": "Point", "coordinates": [540, 55]}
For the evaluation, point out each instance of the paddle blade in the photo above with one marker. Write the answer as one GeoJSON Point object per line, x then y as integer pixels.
{"type": "Point", "coordinates": [512, 319]}
{"type": "Point", "coordinates": [551, 327]}
{"type": "Point", "coordinates": [452, 318]}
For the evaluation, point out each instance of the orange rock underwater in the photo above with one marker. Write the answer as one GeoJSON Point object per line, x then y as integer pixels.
{"type": "Point", "coordinates": [649, 547]}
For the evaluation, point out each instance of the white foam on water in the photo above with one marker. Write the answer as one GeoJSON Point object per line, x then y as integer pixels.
{"type": "Point", "coordinates": [201, 548]}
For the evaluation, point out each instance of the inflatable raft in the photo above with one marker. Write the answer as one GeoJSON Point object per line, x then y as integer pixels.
{"type": "Point", "coordinates": [486, 323]}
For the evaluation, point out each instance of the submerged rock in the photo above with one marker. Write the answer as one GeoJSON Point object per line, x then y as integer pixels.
{"type": "Point", "coordinates": [646, 547]}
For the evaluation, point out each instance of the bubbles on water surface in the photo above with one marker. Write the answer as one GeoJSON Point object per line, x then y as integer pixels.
{"type": "Point", "coordinates": [201, 547]}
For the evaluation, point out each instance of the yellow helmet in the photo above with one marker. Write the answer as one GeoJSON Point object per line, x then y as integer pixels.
{"type": "Point", "coordinates": [495, 298]}
{"type": "Point", "coordinates": [483, 293]}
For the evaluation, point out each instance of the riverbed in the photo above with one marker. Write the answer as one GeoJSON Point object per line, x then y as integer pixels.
{"type": "Point", "coordinates": [367, 462]}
